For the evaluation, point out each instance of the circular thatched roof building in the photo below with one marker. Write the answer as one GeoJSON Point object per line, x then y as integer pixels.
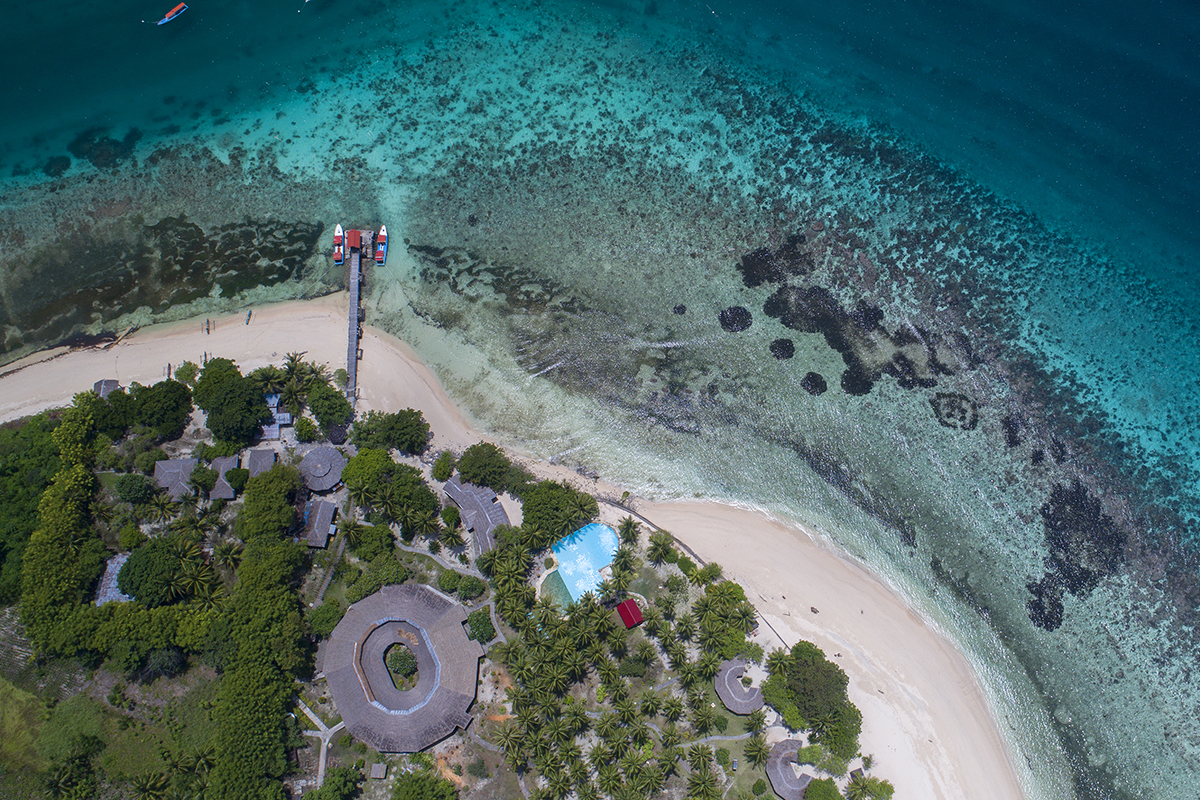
{"type": "Point", "coordinates": [322, 468]}
{"type": "Point", "coordinates": [374, 710]}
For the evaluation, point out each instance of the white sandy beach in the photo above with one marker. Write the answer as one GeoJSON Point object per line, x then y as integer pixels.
{"type": "Point", "coordinates": [925, 718]}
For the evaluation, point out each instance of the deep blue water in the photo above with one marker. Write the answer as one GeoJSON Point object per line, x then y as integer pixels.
{"type": "Point", "coordinates": [974, 222]}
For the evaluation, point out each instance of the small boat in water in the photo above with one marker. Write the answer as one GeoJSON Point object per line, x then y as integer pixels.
{"type": "Point", "coordinates": [339, 245]}
{"type": "Point", "coordinates": [381, 245]}
{"type": "Point", "coordinates": [173, 13]}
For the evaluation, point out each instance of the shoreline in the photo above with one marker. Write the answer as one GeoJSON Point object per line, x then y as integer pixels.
{"type": "Point", "coordinates": [925, 716]}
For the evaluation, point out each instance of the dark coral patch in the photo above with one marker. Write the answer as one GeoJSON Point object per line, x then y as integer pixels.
{"type": "Point", "coordinates": [56, 166]}
{"type": "Point", "coordinates": [814, 383]}
{"type": "Point", "coordinates": [102, 150]}
{"type": "Point", "coordinates": [856, 383]}
{"type": "Point", "coordinates": [955, 410]}
{"type": "Point", "coordinates": [783, 349]}
{"type": "Point", "coordinates": [735, 319]}
{"type": "Point", "coordinates": [680, 309]}
{"type": "Point", "coordinates": [764, 266]}
{"type": "Point", "coordinates": [1085, 546]}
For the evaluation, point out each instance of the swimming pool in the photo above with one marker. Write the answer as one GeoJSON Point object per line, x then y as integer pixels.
{"type": "Point", "coordinates": [582, 554]}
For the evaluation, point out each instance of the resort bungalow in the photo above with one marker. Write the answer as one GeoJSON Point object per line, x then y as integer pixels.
{"type": "Point", "coordinates": [481, 512]}
{"type": "Point", "coordinates": [322, 468]}
{"type": "Point", "coordinates": [222, 490]}
{"type": "Point", "coordinates": [631, 615]}
{"type": "Point", "coordinates": [280, 416]}
{"type": "Point", "coordinates": [259, 461]}
{"type": "Point", "coordinates": [106, 386]}
{"type": "Point", "coordinates": [175, 476]}
{"type": "Point", "coordinates": [319, 522]}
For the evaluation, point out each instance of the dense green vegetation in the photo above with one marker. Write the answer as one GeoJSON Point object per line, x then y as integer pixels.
{"type": "Point", "coordinates": [235, 404]}
{"type": "Point", "coordinates": [406, 431]}
{"type": "Point", "coordinates": [28, 462]}
{"type": "Point", "coordinates": [485, 464]}
{"type": "Point", "coordinates": [263, 630]}
{"type": "Point", "coordinates": [809, 691]}
{"type": "Point", "coordinates": [423, 786]}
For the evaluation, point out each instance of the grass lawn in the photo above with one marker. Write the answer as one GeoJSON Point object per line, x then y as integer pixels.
{"type": "Point", "coordinates": [21, 717]}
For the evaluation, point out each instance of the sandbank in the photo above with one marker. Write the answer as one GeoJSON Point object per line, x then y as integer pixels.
{"type": "Point", "coordinates": [925, 718]}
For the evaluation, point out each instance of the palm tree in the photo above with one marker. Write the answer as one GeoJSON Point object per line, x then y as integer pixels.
{"type": "Point", "coordinates": [704, 719]}
{"type": "Point", "coordinates": [778, 662]}
{"type": "Point", "coordinates": [743, 617]}
{"type": "Point", "coordinates": [708, 666]}
{"type": "Point", "coordinates": [685, 627]}
{"type": "Point", "coordinates": [672, 708]}
{"type": "Point", "coordinates": [661, 545]}
{"type": "Point", "coordinates": [291, 395]}
{"type": "Point", "coordinates": [645, 652]}
{"type": "Point", "coordinates": [867, 787]}
{"type": "Point", "coordinates": [150, 786]}
{"type": "Point", "coordinates": [628, 530]}
{"type": "Point", "coordinates": [453, 537]}
{"type": "Point", "coordinates": [670, 736]}
{"type": "Point", "coordinates": [269, 379]}
{"type": "Point", "coordinates": [651, 702]}
{"type": "Point", "coordinates": [623, 560]}
{"type": "Point", "coordinates": [609, 779]}
{"type": "Point", "coordinates": [756, 721]}
{"type": "Point", "coordinates": [757, 750]}
{"type": "Point", "coordinates": [227, 554]}
{"type": "Point", "coordinates": [703, 785]}
{"type": "Point", "coordinates": [293, 365]}
{"type": "Point", "coordinates": [352, 528]}
{"type": "Point", "coordinates": [162, 507]}
{"type": "Point", "coordinates": [101, 512]}
{"type": "Point", "coordinates": [699, 757]}
{"type": "Point", "coordinates": [627, 710]}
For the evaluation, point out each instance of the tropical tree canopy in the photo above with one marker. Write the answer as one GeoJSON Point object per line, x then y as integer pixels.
{"type": "Point", "coordinates": [406, 431]}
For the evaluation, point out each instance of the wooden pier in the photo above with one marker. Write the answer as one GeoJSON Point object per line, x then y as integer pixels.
{"type": "Point", "coordinates": [356, 242]}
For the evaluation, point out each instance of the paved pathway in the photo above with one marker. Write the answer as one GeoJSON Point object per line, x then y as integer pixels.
{"type": "Point", "coordinates": [324, 734]}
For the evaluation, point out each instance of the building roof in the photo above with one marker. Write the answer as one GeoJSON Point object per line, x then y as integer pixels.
{"type": "Point", "coordinates": [375, 712]}
{"type": "Point", "coordinates": [222, 490]}
{"type": "Point", "coordinates": [105, 386]}
{"type": "Point", "coordinates": [108, 592]}
{"type": "Point", "coordinates": [259, 461]}
{"type": "Point", "coordinates": [174, 476]}
{"type": "Point", "coordinates": [379, 771]}
{"type": "Point", "coordinates": [318, 522]}
{"type": "Point", "coordinates": [322, 468]}
{"type": "Point", "coordinates": [481, 512]}
{"type": "Point", "coordinates": [737, 698]}
{"type": "Point", "coordinates": [784, 780]}
{"type": "Point", "coordinates": [631, 615]}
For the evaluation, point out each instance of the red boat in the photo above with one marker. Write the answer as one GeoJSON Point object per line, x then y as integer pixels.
{"type": "Point", "coordinates": [381, 245]}
{"type": "Point", "coordinates": [173, 13]}
{"type": "Point", "coordinates": [339, 246]}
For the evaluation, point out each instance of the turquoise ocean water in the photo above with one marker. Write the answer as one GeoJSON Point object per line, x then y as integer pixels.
{"type": "Point", "coordinates": [920, 275]}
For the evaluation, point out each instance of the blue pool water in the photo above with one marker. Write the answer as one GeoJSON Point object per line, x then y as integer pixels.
{"type": "Point", "coordinates": [581, 556]}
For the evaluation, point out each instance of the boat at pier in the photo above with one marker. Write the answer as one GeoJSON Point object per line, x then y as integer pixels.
{"type": "Point", "coordinates": [339, 246]}
{"type": "Point", "coordinates": [381, 245]}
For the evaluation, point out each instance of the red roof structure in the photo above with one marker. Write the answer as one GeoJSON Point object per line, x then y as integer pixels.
{"type": "Point", "coordinates": [631, 615]}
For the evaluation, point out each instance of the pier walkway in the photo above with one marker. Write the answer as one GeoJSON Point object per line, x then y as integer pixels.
{"type": "Point", "coordinates": [355, 332]}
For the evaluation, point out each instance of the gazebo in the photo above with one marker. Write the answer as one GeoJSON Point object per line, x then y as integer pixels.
{"type": "Point", "coordinates": [322, 468]}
